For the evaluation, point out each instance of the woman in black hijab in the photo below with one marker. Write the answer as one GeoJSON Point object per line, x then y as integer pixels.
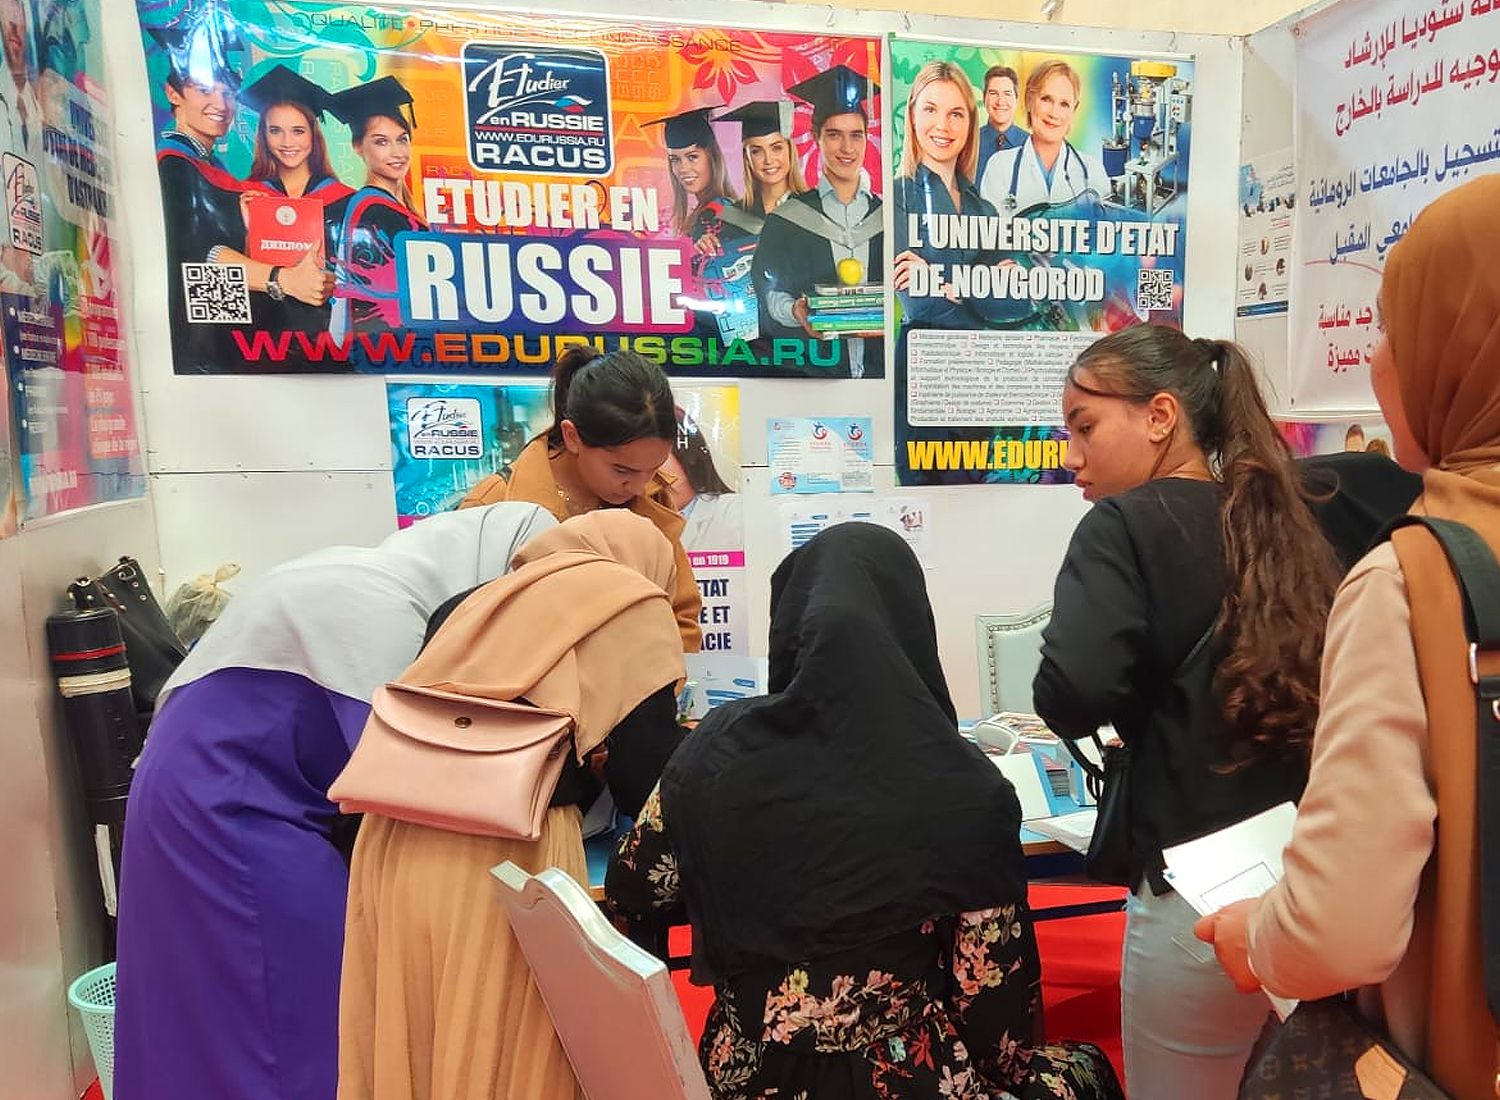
{"type": "Point", "coordinates": [851, 867]}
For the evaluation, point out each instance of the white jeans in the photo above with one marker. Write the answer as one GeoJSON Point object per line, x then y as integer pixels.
{"type": "Point", "coordinates": [1187, 1031]}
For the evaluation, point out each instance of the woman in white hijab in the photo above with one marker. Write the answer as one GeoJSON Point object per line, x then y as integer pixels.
{"type": "Point", "coordinates": [232, 891]}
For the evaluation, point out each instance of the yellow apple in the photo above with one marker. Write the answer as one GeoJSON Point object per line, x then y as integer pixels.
{"type": "Point", "coordinates": [851, 271]}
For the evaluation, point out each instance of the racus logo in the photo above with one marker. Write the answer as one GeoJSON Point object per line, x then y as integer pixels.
{"type": "Point", "coordinates": [538, 109]}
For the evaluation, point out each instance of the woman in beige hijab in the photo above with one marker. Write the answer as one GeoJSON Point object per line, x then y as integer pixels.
{"type": "Point", "coordinates": [437, 1002]}
{"type": "Point", "coordinates": [1370, 875]}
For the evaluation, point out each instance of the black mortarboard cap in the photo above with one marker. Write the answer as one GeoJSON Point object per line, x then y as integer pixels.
{"type": "Point", "coordinates": [386, 96]}
{"type": "Point", "coordinates": [688, 128]}
{"type": "Point", "coordinates": [761, 118]}
{"type": "Point", "coordinates": [280, 85]}
{"type": "Point", "coordinates": [838, 91]}
{"type": "Point", "coordinates": [199, 46]}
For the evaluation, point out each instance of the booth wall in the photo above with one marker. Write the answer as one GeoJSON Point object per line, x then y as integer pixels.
{"type": "Point", "coordinates": [52, 921]}
{"type": "Point", "coordinates": [53, 925]}
{"type": "Point", "coordinates": [257, 470]}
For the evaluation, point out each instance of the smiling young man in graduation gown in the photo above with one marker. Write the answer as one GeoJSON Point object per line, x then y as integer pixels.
{"type": "Point", "coordinates": [200, 199]}
{"type": "Point", "coordinates": [806, 237]}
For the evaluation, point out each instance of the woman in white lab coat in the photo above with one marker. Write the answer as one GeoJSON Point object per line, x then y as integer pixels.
{"type": "Point", "coordinates": [1047, 167]}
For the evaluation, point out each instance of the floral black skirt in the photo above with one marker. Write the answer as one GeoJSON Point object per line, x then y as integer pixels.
{"type": "Point", "coordinates": [899, 1023]}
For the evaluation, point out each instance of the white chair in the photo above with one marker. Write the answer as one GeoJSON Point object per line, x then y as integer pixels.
{"type": "Point", "coordinates": [1010, 649]}
{"type": "Point", "coordinates": [613, 1005]}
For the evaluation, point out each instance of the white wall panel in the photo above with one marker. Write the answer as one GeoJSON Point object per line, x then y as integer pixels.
{"type": "Point", "coordinates": [260, 520]}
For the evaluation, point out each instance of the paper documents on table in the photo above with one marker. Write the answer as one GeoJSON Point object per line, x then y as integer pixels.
{"type": "Point", "coordinates": [1242, 861]}
{"type": "Point", "coordinates": [1075, 830]}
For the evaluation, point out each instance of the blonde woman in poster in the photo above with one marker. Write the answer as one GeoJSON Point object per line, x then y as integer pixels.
{"type": "Point", "coordinates": [936, 180]}
{"type": "Point", "coordinates": [772, 171]}
{"type": "Point", "coordinates": [1046, 170]}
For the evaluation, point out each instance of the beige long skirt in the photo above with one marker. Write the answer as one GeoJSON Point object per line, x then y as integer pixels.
{"type": "Point", "coordinates": [437, 1002]}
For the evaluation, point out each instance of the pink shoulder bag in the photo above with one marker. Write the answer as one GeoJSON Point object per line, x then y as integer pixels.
{"type": "Point", "coordinates": [479, 766]}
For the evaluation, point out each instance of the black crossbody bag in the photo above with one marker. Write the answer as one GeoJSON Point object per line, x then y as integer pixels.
{"type": "Point", "coordinates": [1110, 859]}
{"type": "Point", "coordinates": [1325, 1048]}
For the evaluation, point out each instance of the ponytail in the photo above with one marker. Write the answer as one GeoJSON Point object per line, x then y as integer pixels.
{"type": "Point", "coordinates": [611, 399]}
{"type": "Point", "coordinates": [1279, 567]}
{"type": "Point", "coordinates": [569, 363]}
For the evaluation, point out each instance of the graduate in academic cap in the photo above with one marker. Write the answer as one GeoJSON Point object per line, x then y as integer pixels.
{"type": "Point", "coordinates": [806, 237]}
{"type": "Point", "coordinates": [772, 175]}
{"type": "Point", "coordinates": [696, 164]}
{"type": "Point", "coordinates": [290, 159]}
{"type": "Point", "coordinates": [380, 120]}
{"type": "Point", "coordinates": [772, 171]}
{"type": "Point", "coordinates": [200, 199]}
{"type": "Point", "coordinates": [700, 195]}
{"type": "Point", "coordinates": [291, 151]}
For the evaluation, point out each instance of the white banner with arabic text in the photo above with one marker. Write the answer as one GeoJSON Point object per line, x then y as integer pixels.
{"type": "Point", "coordinates": [1396, 102]}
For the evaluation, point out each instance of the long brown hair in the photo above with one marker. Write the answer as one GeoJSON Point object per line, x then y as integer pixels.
{"type": "Point", "coordinates": [718, 188]}
{"type": "Point", "coordinates": [1280, 569]}
{"type": "Point", "coordinates": [357, 135]}
{"type": "Point", "coordinates": [265, 166]}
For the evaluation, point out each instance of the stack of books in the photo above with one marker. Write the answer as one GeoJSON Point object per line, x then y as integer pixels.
{"type": "Point", "coordinates": [858, 310]}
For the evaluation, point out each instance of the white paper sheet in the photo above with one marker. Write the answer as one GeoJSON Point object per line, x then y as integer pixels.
{"type": "Point", "coordinates": [1239, 862]}
{"type": "Point", "coordinates": [1025, 776]}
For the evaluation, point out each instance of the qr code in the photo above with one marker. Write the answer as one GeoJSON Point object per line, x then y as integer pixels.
{"type": "Point", "coordinates": [1153, 290]}
{"type": "Point", "coordinates": [216, 294]}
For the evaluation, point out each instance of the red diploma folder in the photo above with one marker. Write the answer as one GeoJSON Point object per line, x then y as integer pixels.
{"type": "Point", "coordinates": [282, 229]}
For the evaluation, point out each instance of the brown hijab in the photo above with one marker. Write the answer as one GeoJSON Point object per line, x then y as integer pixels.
{"type": "Point", "coordinates": [1441, 303]}
{"type": "Point", "coordinates": [582, 624]}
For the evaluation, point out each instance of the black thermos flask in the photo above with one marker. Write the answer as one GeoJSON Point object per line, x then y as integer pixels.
{"type": "Point", "coordinates": [88, 659]}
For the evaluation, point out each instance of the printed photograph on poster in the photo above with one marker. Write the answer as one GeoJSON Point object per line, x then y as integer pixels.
{"type": "Point", "coordinates": [448, 436]}
{"type": "Point", "coordinates": [439, 191]}
{"type": "Point", "coordinates": [1308, 438]}
{"type": "Point", "coordinates": [829, 454]}
{"type": "Point", "coordinates": [704, 469]}
{"type": "Point", "coordinates": [1039, 195]}
{"type": "Point", "coordinates": [1268, 197]}
{"type": "Point", "coordinates": [706, 477]}
{"type": "Point", "coordinates": [1386, 124]}
{"type": "Point", "coordinates": [68, 438]}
